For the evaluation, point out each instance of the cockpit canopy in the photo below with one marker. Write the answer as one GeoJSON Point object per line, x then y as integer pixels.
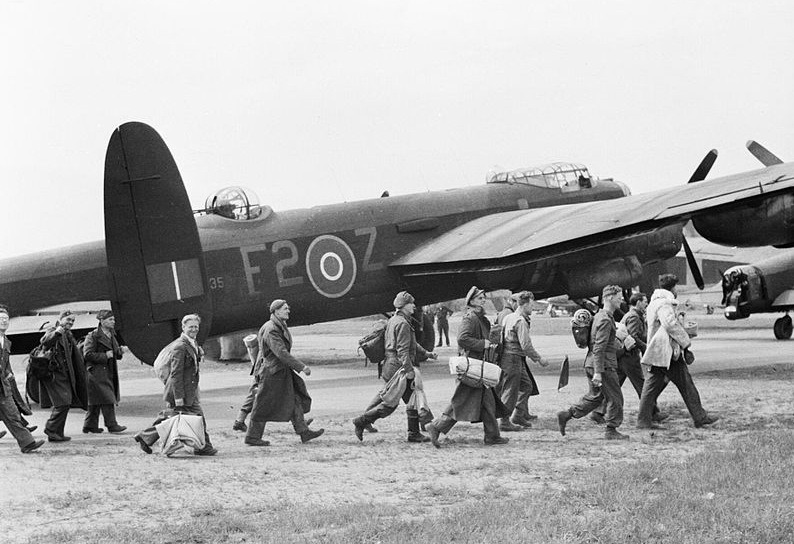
{"type": "Point", "coordinates": [567, 176]}
{"type": "Point", "coordinates": [238, 203]}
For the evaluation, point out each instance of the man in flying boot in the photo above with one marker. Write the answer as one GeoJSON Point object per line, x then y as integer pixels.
{"type": "Point", "coordinates": [601, 369]}
{"type": "Point", "coordinates": [403, 353]}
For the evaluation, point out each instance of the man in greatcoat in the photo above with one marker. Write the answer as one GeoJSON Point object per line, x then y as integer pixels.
{"type": "Point", "coordinates": [282, 394]}
{"type": "Point", "coordinates": [664, 357]}
{"type": "Point", "coordinates": [403, 353]}
{"type": "Point", "coordinates": [181, 393]}
{"type": "Point", "coordinates": [9, 412]}
{"type": "Point", "coordinates": [468, 403]}
{"type": "Point", "coordinates": [601, 368]}
{"type": "Point", "coordinates": [67, 388]}
{"type": "Point", "coordinates": [517, 383]}
{"type": "Point", "coordinates": [101, 352]}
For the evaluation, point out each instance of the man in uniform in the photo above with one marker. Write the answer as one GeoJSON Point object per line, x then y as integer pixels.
{"type": "Point", "coordinates": [67, 389]}
{"type": "Point", "coordinates": [442, 324]}
{"type": "Point", "coordinates": [181, 393]}
{"type": "Point", "coordinates": [601, 368]}
{"type": "Point", "coordinates": [281, 394]}
{"type": "Point", "coordinates": [402, 355]}
{"type": "Point", "coordinates": [101, 351]}
{"type": "Point", "coordinates": [474, 404]}
{"type": "Point", "coordinates": [9, 413]}
{"type": "Point", "coordinates": [517, 383]}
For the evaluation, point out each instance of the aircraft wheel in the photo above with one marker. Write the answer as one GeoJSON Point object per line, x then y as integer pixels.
{"type": "Point", "coordinates": [783, 328]}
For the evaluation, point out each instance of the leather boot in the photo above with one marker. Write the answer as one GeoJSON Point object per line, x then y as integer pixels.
{"type": "Point", "coordinates": [434, 434]}
{"type": "Point", "coordinates": [612, 434]}
{"type": "Point", "coordinates": [359, 425]}
{"type": "Point", "coordinates": [506, 426]}
{"type": "Point", "coordinates": [562, 419]}
{"type": "Point", "coordinates": [308, 434]}
{"type": "Point", "coordinates": [521, 420]}
{"type": "Point", "coordinates": [239, 426]}
{"type": "Point", "coordinates": [414, 435]}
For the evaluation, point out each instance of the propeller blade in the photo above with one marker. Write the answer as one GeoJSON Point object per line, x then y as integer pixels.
{"type": "Point", "coordinates": [693, 265]}
{"type": "Point", "coordinates": [703, 168]}
{"type": "Point", "coordinates": [761, 153]}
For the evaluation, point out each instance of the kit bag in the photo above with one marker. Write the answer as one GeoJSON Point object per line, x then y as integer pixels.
{"type": "Point", "coordinates": [374, 345]}
{"type": "Point", "coordinates": [41, 363]}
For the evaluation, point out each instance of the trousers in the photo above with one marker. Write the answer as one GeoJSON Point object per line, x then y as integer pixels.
{"type": "Point", "coordinates": [678, 373]}
{"type": "Point", "coordinates": [609, 391]}
{"type": "Point", "coordinates": [9, 414]}
{"type": "Point", "coordinates": [257, 428]}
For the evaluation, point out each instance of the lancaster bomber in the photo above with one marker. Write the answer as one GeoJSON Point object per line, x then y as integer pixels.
{"type": "Point", "coordinates": [553, 230]}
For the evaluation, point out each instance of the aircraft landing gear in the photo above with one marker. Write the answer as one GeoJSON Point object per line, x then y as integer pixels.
{"type": "Point", "coordinates": [783, 328]}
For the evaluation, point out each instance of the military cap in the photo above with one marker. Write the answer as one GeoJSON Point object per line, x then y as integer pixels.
{"type": "Point", "coordinates": [403, 298]}
{"type": "Point", "coordinates": [276, 304]}
{"type": "Point", "coordinates": [104, 314]}
{"type": "Point", "coordinates": [473, 292]}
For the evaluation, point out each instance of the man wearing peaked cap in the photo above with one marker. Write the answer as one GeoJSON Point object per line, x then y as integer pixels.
{"type": "Point", "coordinates": [403, 353]}
{"type": "Point", "coordinates": [472, 403]}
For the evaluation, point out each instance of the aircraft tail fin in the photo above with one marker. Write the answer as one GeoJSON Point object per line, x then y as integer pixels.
{"type": "Point", "coordinates": [154, 253]}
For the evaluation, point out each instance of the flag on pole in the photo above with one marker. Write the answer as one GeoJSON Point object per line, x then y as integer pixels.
{"type": "Point", "coordinates": [564, 369]}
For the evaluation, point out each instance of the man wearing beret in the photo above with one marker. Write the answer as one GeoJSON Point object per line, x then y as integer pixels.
{"type": "Point", "coordinates": [281, 394]}
{"type": "Point", "coordinates": [403, 353]}
{"type": "Point", "coordinates": [101, 352]}
{"type": "Point", "coordinates": [469, 403]}
{"type": "Point", "coordinates": [67, 389]}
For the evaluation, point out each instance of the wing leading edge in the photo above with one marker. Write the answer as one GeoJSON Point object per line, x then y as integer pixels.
{"type": "Point", "coordinates": [510, 239]}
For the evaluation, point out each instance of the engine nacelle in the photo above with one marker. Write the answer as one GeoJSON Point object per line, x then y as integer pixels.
{"type": "Point", "coordinates": [741, 287]}
{"type": "Point", "coordinates": [623, 271]}
{"type": "Point", "coordinates": [769, 223]}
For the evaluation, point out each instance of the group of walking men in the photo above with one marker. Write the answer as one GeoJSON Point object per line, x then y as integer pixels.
{"type": "Point", "coordinates": [652, 336]}
{"type": "Point", "coordinates": [652, 351]}
{"type": "Point", "coordinates": [78, 376]}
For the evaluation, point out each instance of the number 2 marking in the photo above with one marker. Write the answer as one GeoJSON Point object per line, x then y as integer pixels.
{"type": "Point", "coordinates": [287, 262]}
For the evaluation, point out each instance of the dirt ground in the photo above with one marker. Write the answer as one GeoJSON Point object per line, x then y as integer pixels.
{"type": "Point", "coordinates": [105, 480]}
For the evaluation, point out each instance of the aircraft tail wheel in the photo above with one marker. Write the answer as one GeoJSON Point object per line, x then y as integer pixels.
{"type": "Point", "coordinates": [783, 328]}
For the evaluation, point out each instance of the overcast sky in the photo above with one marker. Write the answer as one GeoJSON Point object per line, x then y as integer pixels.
{"type": "Point", "coordinates": [318, 102]}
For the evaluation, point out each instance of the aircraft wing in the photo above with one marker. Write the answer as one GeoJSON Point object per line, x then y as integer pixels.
{"type": "Point", "coordinates": [509, 239]}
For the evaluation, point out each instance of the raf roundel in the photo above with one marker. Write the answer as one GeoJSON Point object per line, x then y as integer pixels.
{"type": "Point", "coordinates": [331, 266]}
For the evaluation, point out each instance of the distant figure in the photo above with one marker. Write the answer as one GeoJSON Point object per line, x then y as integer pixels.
{"type": "Point", "coordinates": [468, 403]}
{"type": "Point", "coordinates": [282, 394]}
{"type": "Point", "coordinates": [601, 369]}
{"type": "Point", "coordinates": [384, 194]}
{"type": "Point", "coordinates": [9, 412]}
{"type": "Point", "coordinates": [665, 357]}
{"type": "Point", "coordinates": [181, 393]}
{"type": "Point", "coordinates": [442, 324]}
{"type": "Point", "coordinates": [403, 353]}
{"type": "Point", "coordinates": [102, 352]}
{"type": "Point", "coordinates": [67, 388]}
{"type": "Point", "coordinates": [584, 182]}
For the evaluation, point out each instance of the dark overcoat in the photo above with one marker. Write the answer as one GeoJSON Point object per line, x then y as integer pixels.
{"type": "Point", "coordinates": [103, 372]}
{"type": "Point", "coordinates": [8, 382]}
{"type": "Point", "coordinates": [467, 402]}
{"type": "Point", "coordinates": [68, 384]}
{"type": "Point", "coordinates": [279, 383]}
{"type": "Point", "coordinates": [183, 380]}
